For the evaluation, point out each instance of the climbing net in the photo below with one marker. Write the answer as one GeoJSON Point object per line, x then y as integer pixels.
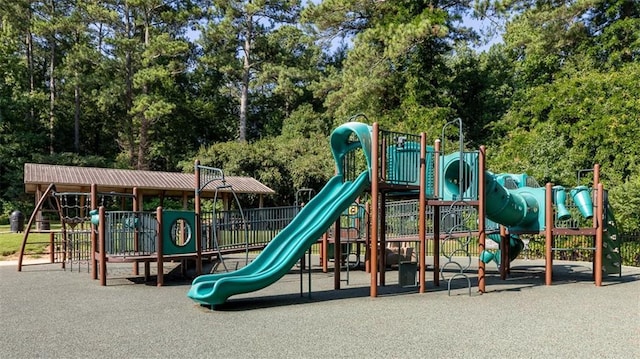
{"type": "Point", "coordinates": [75, 207]}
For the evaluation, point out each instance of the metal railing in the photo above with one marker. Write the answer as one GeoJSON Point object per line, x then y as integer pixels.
{"type": "Point", "coordinates": [130, 233]}
{"type": "Point", "coordinates": [402, 219]}
{"type": "Point", "coordinates": [256, 231]}
{"type": "Point", "coordinates": [73, 249]}
{"type": "Point", "coordinates": [399, 162]}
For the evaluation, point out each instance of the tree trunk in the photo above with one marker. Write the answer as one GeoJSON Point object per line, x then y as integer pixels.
{"type": "Point", "coordinates": [29, 54]}
{"type": "Point", "coordinates": [76, 115]}
{"type": "Point", "coordinates": [128, 127]}
{"type": "Point", "coordinates": [244, 87]}
{"type": "Point", "coordinates": [143, 140]}
{"type": "Point", "coordinates": [52, 85]}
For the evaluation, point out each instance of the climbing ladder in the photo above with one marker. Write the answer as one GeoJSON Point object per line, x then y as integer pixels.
{"type": "Point", "coordinates": [611, 261]}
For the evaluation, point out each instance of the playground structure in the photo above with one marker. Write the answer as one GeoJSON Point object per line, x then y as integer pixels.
{"type": "Point", "coordinates": [422, 200]}
{"type": "Point", "coordinates": [457, 199]}
{"type": "Point", "coordinates": [97, 228]}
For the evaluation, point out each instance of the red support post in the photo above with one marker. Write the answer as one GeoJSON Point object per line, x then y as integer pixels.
{"type": "Point", "coordinates": [597, 261]}
{"type": "Point", "coordinates": [422, 214]}
{"type": "Point", "coordinates": [374, 212]}
{"type": "Point", "coordinates": [548, 230]}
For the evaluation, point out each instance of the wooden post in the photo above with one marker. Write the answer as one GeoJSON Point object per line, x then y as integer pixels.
{"type": "Point", "coordinates": [374, 212]}
{"type": "Point", "coordinates": [599, 235]}
{"type": "Point", "coordinates": [422, 214]}
{"type": "Point", "coordinates": [548, 243]}
{"type": "Point", "coordinates": [53, 248]}
{"type": "Point", "coordinates": [481, 219]}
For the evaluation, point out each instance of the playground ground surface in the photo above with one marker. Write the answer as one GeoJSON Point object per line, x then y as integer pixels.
{"type": "Point", "coordinates": [49, 313]}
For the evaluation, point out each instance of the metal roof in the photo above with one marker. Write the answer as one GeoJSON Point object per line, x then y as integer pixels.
{"type": "Point", "coordinates": [80, 179]}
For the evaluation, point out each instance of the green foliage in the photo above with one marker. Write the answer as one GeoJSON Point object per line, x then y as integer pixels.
{"type": "Point", "coordinates": [625, 199]}
{"type": "Point", "coordinates": [630, 252]}
{"type": "Point", "coordinates": [297, 159]}
{"type": "Point", "coordinates": [581, 119]}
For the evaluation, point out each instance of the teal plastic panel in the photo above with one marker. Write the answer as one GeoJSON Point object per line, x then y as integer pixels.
{"type": "Point", "coordinates": [178, 232]}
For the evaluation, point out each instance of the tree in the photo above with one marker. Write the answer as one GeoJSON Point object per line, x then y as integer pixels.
{"type": "Point", "coordinates": [396, 73]}
{"type": "Point", "coordinates": [572, 104]}
{"type": "Point", "coordinates": [147, 48]}
{"type": "Point", "coordinates": [235, 41]}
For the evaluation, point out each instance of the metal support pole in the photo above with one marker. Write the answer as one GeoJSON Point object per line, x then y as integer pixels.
{"type": "Point", "coordinates": [94, 233]}
{"type": "Point", "coordinates": [504, 252]}
{"type": "Point", "coordinates": [101, 247]}
{"type": "Point", "coordinates": [337, 255]}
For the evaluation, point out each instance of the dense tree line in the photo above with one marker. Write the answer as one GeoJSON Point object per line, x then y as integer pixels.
{"type": "Point", "coordinates": [255, 87]}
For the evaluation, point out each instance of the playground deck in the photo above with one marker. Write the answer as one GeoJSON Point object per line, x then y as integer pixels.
{"type": "Point", "coordinates": [47, 312]}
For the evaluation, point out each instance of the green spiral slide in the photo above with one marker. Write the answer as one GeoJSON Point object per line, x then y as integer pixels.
{"type": "Point", "coordinates": [286, 248]}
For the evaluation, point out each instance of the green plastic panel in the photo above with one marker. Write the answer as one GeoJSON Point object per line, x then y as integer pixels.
{"type": "Point", "coordinates": [178, 232]}
{"type": "Point", "coordinates": [611, 259]}
{"type": "Point", "coordinates": [340, 144]}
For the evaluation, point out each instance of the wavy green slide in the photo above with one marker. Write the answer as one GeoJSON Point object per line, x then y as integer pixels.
{"type": "Point", "coordinates": [286, 248]}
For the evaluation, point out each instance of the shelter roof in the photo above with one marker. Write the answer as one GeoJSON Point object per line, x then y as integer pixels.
{"type": "Point", "coordinates": [80, 179]}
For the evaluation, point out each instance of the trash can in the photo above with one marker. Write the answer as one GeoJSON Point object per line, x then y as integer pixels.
{"type": "Point", "coordinates": [407, 274]}
{"type": "Point", "coordinates": [17, 221]}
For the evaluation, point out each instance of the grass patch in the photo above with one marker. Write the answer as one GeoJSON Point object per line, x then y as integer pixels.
{"type": "Point", "coordinates": [10, 243]}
